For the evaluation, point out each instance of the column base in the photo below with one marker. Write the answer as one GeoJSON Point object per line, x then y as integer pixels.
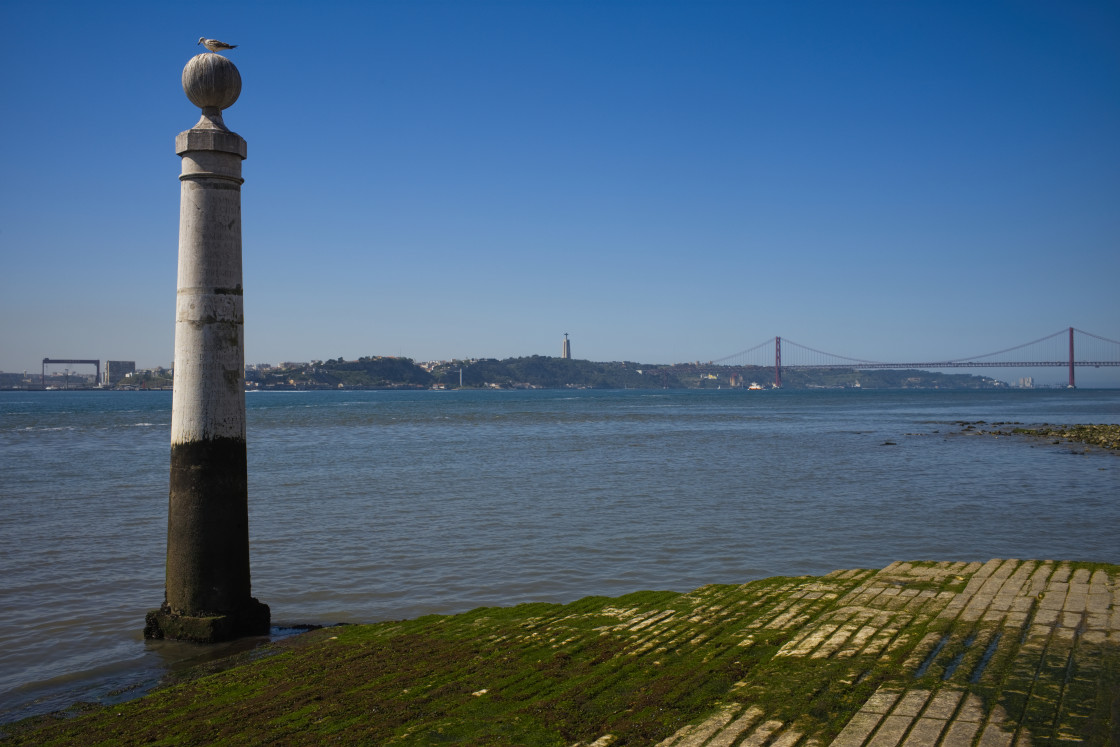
{"type": "Point", "coordinates": [254, 619]}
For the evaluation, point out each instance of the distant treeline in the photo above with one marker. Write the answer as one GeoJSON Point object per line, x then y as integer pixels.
{"type": "Point", "coordinates": [543, 372]}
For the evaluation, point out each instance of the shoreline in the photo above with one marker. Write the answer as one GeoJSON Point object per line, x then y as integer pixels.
{"type": "Point", "coordinates": [995, 650]}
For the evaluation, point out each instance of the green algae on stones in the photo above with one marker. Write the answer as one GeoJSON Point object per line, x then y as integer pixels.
{"type": "Point", "coordinates": [926, 651]}
{"type": "Point", "coordinates": [1102, 436]}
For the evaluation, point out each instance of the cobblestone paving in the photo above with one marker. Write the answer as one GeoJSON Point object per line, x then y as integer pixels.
{"type": "Point", "coordinates": [995, 654]}
{"type": "Point", "coordinates": [1002, 653]}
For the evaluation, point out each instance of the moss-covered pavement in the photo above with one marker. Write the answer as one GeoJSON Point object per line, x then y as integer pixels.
{"type": "Point", "coordinates": [998, 653]}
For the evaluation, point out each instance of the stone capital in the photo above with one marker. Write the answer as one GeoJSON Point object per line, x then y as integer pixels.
{"type": "Point", "coordinates": [214, 140]}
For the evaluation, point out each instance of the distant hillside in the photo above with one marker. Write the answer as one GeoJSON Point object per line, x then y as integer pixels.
{"type": "Point", "coordinates": [364, 373]}
{"type": "Point", "coordinates": [539, 371]}
{"type": "Point", "coordinates": [544, 372]}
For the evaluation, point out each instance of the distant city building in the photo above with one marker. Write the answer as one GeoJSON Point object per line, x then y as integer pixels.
{"type": "Point", "coordinates": [117, 370]}
{"type": "Point", "coordinates": [567, 351]}
{"type": "Point", "coordinates": [1026, 382]}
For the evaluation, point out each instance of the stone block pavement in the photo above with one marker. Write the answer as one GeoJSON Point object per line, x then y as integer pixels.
{"type": "Point", "coordinates": [997, 654]}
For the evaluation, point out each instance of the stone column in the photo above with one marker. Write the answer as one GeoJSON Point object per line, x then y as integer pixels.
{"type": "Point", "coordinates": [208, 596]}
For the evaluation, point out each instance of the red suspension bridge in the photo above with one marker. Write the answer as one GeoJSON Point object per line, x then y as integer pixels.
{"type": "Point", "coordinates": [1068, 347]}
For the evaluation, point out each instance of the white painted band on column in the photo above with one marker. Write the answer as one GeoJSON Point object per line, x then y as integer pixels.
{"type": "Point", "coordinates": [209, 397]}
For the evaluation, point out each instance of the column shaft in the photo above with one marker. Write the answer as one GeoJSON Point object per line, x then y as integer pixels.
{"type": "Point", "coordinates": [208, 591]}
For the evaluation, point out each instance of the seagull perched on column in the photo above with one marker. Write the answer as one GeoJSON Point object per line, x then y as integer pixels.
{"type": "Point", "coordinates": [214, 45]}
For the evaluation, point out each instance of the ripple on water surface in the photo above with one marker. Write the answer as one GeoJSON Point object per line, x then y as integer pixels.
{"type": "Point", "coordinates": [382, 505]}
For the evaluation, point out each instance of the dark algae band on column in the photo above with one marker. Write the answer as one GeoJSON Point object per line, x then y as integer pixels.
{"type": "Point", "coordinates": [208, 576]}
{"type": "Point", "coordinates": [208, 530]}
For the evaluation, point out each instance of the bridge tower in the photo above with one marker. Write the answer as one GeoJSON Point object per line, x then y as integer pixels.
{"type": "Point", "coordinates": [207, 596]}
{"type": "Point", "coordinates": [1072, 383]}
{"type": "Point", "coordinates": [778, 362]}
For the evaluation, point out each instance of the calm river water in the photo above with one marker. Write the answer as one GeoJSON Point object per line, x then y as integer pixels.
{"type": "Point", "coordinates": [369, 506]}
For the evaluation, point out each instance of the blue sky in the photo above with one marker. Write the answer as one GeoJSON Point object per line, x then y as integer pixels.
{"type": "Point", "coordinates": [665, 181]}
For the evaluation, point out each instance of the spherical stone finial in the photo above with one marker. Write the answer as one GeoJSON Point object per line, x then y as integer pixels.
{"type": "Point", "coordinates": [211, 81]}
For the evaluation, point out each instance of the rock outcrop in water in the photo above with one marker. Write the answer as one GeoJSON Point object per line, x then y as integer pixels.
{"type": "Point", "coordinates": [1104, 436]}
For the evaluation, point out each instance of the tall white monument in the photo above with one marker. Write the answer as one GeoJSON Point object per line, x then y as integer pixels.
{"type": "Point", "coordinates": [208, 596]}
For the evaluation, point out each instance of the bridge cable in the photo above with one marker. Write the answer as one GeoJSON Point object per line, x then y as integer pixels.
{"type": "Point", "coordinates": [788, 341]}
{"type": "Point", "coordinates": [744, 352]}
{"type": "Point", "coordinates": [1008, 350]}
{"type": "Point", "coordinates": [1090, 334]}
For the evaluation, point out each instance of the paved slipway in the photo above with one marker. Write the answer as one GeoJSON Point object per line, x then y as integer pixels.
{"type": "Point", "coordinates": [1032, 631]}
{"type": "Point", "coordinates": [1002, 653]}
